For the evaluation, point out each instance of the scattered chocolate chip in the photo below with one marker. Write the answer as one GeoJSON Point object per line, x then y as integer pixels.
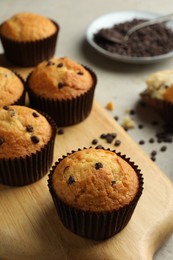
{"type": "Point", "coordinates": [80, 73]}
{"type": "Point", "coordinates": [126, 128]}
{"type": "Point", "coordinates": [6, 107]}
{"type": "Point", "coordinates": [60, 65]}
{"type": "Point", "coordinates": [114, 135]}
{"type": "Point", "coordinates": [60, 131]}
{"type": "Point", "coordinates": [153, 158]}
{"type": "Point", "coordinates": [2, 140]}
{"type": "Point", "coordinates": [103, 136]}
{"type": "Point", "coordinates": [60, 85]}
{"type": "Point", "coordinates": [35, 114]}
{"type": "Point", "coordinates": [113, 182]}
{"type": "Point", "coordinates": [141, 142]}
{"type": "Point", "coordinates": [98, 165]}
{"type": "Point", "coordinates": [153, 153]}
{"type": "Point", "coordinates": [71, 180]}
{"type": "Point", "coordinates": [151, 140]}
{"type": "Point", "coordinates": [132, 112]}
{"type": "Point", "coordinates": [99, 147]}
{"type": "Point", "coordinates": [109, 139]}
{"type": "Point", "coordinates": [116, 118]}
{"type": "Point", "coordinates": [94, 141]}
{"type": "Point", "coordinates": [35, 139]}
{"type": "Point", "coordinates": [29, 128]}
{"type": "Point", "coordinates": [117, 143]}
{"type": "Point", "coordinates": [140, 126]}
{"type": "Point", "coordinates": [163, 148]}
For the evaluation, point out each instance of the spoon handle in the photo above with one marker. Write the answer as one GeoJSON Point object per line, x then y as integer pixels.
{"type": "Point", "coordinates": [156, 20]}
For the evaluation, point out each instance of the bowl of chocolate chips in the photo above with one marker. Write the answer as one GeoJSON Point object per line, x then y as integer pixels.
{"type": "Point", "coordinates": [150, 44]}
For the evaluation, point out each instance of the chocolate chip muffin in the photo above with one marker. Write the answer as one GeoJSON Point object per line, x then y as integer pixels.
{"type": "Point", "coordinates": [62, 88]}
{"type": "Point", "coordinates": [28, 38]}
{"type": "Point", "coordinates": [12, 89]}
{"type": "Point", "coordinates": [159, 93]}
{"type": "Point", "coordinates": [95, 184]}
{"type": "Point", "coordinates": [26, 145]}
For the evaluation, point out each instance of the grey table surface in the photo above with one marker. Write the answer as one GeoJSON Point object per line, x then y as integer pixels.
{"type": "Point", "coordinates": [118, 83]}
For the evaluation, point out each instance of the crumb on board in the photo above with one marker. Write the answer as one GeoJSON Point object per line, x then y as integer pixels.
{"type": "Point", "coordinates": [127, 122]}
{"type": "Point", "coordinates": [109, 106]}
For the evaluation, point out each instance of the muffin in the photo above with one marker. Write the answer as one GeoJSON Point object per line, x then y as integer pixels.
{"type": "Point", "coordinates": [95, 191]}
{"type": "Point", "coordinates": [159, 93]}
{"type": "Point", "coordinates": [26, 145]}
{"type": "Point", "coordinates": [28, 38]}
{"type": "Point", "coordinates": [12, 89]}
{"type": "Point", "coordinates": [63, 89]}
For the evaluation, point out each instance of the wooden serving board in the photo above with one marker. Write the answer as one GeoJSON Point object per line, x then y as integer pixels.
{"type": "Point", "coordinates": [29, 225]}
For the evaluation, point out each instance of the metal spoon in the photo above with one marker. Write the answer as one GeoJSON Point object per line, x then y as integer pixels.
{"type": "Point", "coordinates": [118, 38]}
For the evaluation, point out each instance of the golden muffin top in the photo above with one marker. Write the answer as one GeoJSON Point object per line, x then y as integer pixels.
{"type": "Point", "coordinates": [95, 180]}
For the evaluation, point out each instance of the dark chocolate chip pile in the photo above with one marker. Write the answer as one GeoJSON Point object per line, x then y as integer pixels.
{"type": "Point", "coordinates": [109, 137]}
{"type": "Point", "coordinates": [149, 41]}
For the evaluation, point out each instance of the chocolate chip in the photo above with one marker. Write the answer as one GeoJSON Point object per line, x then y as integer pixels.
{"type": "Point", "coordinates": [60, 85]}
{"type": "Point", "coordinates": [103, 136]}
{"type": "Point", "coordinates": [140, 126]}
{"type": "Point", "coordinates": [71, 180]}
{"type": "Point", "coordinates": [117, 143]}
{"type": "Point", "coordinates": [94, 141]}
{"type": "Point", "coordinates": [99, 147]}
{"type": "Point", "coordinates": [116, 118]}
{"type": "Point", "coordinates": [153, 153]}
{"type": "Point", "coordinates": [98, 165]}
{"type": "Point", "coordinates": [163, 148]}
{"type": "Point", "coordinates": [29, 128]}
{"type": "Point", "coordinates": [60, 65]}
{"type": "Point", "coordinates": [35, 139]}
{"type": "Point", "coordinates": [141, 142]}
{"type": "Point", "coordinates": [109, 139]}
{"type": "Point", "coordinates": [113, 182]}
{"type": "Point", "coordinates": [6, 107]}
{"type": "Point", "coordinates": [153, 158]}
{"type": "Point", "coordinates": [80, 73]}
{"type": "Point", "coordinates": [2, 140]}
{"type": "Point", "coordinates": [35, 114]}
{"type": "Point", "coordinates": [126, 128]}
{"type": "Point", "coordinates": [151, 140]}
{"type": "Point", "coordinates": [132, 112]}
{"type": "Point", "coordinates": [60, 131]}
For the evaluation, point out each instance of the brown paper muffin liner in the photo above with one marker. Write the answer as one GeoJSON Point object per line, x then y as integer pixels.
{"type": "Point", "coordinates": [162, 107]}
{"type": "Point", "coordinates": [92, 225]}
{"type": "Point", "coordinates": [21, 171]}
{"type": "Point", "coordinates": [30, 53]}
{"type": "Point", "coordinates": [68, 111]}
